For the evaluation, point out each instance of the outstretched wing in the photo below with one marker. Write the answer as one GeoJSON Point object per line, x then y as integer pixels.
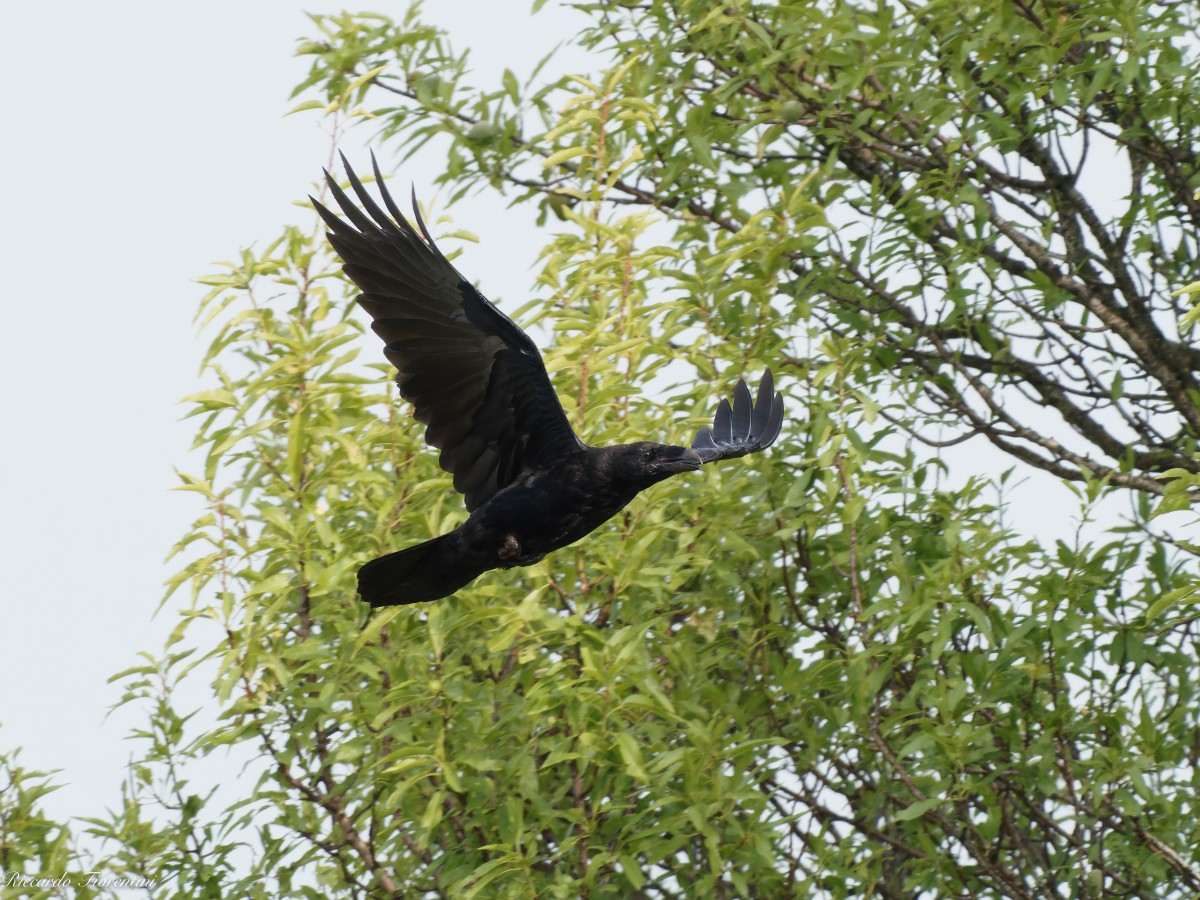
{"type": "Point", "coordinates": [745, 427]}
{"type": "Point", "coordinates": [473, 377]}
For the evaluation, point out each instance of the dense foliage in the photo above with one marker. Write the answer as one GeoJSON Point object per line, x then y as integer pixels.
{"type": "Point", "coordinates": [827, 671]}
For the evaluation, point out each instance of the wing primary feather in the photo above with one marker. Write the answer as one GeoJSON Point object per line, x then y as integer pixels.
{"type": "Point", "coordinates": [741, 412]}
{"type": "Point", "coordinates": [385, 193]}
{"type": "Point", "coordinates": [762, 406]}
{"type": "Point", "coordinates": [368, 202]}
{"type": "Point", "coordinates": [775, 425]}
{"type": "Point", "coordinates": [723, 423]}
{"type": "Point", "coordinates": [353, 213]}
{"type": "Point", "coordinates": [331, 219]}
{"type": "Point", "coordinates": [704, 440]}
{"type": "Point", "coordinates": [424, 230]}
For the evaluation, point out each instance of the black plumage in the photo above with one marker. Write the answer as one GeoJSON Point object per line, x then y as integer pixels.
{"type": "Point", "coordinates": [478, 383]}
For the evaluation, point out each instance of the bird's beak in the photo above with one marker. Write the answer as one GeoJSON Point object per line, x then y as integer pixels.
{"type": "Point", "coordinates": [686, 461]}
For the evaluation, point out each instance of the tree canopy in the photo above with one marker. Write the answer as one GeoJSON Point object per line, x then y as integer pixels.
{"type": "Point", "coordinates": [937, 222]}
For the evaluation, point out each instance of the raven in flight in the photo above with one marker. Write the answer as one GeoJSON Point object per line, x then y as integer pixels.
{"type": "Point", "coordinates": [478, 383]}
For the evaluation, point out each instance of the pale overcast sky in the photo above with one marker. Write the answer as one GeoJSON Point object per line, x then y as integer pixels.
{"type": "Point", "coordinates": [142, 141]}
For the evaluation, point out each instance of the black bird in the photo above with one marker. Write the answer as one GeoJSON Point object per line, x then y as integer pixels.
{"type": "Point", "coordinates": [478, 382]}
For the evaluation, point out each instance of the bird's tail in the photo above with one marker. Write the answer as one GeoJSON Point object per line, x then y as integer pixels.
{"type": "Point", "coordinates": [428, 571]}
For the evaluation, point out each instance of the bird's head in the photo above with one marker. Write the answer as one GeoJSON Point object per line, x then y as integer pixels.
{"type": "Point", "coordinates": [645, 463]}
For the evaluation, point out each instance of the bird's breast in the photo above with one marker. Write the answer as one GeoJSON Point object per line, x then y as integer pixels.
{"type": "Point", "coordinates": [538, 514]}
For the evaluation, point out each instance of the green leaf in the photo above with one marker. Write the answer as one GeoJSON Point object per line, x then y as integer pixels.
{"type": "Point", "coordinates": [631, 755]}
{"type": "Point", "coordinates": [919, 808]}
{"type": "Point", "coordinates": [1189, 594]}
{"type": "Point", "coordinates": [302, 107]}
{"type": "Point", "coordinates": [562, 156]}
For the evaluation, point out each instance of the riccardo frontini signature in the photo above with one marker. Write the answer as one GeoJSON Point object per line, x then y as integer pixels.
{"type": "Point", "coordinates": [102, 880]}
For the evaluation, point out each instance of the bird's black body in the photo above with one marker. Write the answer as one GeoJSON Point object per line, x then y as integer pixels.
{"type": "Point", "coordinates": [477, 381]}
{"type": "Point", "coordinates": [541, 511]}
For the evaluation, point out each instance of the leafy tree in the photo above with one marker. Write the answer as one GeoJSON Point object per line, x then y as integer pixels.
{"type": "Point", "coordinates": [820, 673]}
{"type": "Point", "coordinates": [38, 857]}
{"type": "Point", "coordinates": [955, 146]}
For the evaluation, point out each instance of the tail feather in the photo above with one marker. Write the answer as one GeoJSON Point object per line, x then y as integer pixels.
{"type": "Point", "coordinates": [428, 571]}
